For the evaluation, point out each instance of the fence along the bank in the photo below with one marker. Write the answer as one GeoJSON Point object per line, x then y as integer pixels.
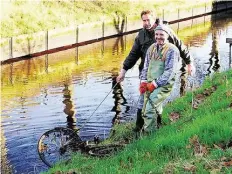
{"type": "Point", "coordinates": [25, 45]}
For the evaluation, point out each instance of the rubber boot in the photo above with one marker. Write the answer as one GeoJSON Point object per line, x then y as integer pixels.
{"type": "Point", "coordinates": [139, 121]}
{"type": "Point", "coordinates": [159, 121]}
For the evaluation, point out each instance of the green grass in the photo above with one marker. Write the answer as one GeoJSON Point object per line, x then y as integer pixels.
{"type": "Point", "coordinates": [25, 17]}
{"type": "Point", "coordinates": [173, 148]}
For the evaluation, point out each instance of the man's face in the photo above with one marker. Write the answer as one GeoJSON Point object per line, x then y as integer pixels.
{"type": "Point", "coordinates": [161, 37]}
{"type": "Point", "coordinates": [148, 21]}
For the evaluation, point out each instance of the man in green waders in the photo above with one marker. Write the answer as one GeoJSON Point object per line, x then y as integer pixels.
{"type": "Point", "coordinates": [157, 76]}
{"type": "Point", "coordinates": [143, 41]}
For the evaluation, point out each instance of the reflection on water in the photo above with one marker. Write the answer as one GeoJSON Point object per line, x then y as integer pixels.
{"type": "Point", "coordinates": [64, 88]}
{"type": "Point", "coordinates": [119, 100]}
{"type": "Point", "coordinates": [69, 108]}
{"type": "Point", "coordinates": [214, 59]}
{"type": "Point", "coordinates": [119, 44]}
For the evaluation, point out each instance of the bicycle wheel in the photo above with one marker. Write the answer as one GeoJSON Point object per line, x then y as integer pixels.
{"type": "Point", "coordinates": [57, 144]}
{"type": "Point", "coordinates": [104, 150]}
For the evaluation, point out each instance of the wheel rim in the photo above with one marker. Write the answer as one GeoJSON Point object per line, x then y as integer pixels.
{"type": "Point", "coordinates": [56, 145]}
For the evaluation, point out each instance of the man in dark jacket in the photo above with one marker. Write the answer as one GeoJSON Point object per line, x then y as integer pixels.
{"type": "Point", "coordinates": [142, 42]}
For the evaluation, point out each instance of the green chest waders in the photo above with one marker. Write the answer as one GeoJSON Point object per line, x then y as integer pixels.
{"type": "Point", "coordinates": [152, 108]}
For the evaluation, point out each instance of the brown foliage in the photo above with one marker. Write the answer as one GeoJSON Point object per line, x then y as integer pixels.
{"type": "Point", "coordinates": [199, 149]}
{"type": "Point", "coordinates": [174, 116]}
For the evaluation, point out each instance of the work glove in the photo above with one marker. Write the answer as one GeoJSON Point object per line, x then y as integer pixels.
{"type": "Point", "coordinates": [150, 87]}
{"type": "Point", "coordinates": [143, 87]}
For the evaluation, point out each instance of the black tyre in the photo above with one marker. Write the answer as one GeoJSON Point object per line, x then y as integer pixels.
{"type": "Point", "coordinates": [57, 144]}
{"type": "Point", "coordinates": [104, 150]}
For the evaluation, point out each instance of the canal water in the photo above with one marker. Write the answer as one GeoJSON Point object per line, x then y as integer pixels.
{"type": "Point", "coordinates": [65, 88]}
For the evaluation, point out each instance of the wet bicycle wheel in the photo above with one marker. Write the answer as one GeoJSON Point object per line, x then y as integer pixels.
{"type": "Point", "coordinates": [105, 150]}
{"type": "Point", "coordinates": [57, 144]}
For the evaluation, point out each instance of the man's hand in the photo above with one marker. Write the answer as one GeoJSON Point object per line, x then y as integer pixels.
{"type": "Point", "coordinates": [151, 87]}
{"type": "Point", "coordinates": [190, 69]}
{"type": "Point", "coordinates": [143, 87]}
{"type": "Point", "coordinates": [121, 76]}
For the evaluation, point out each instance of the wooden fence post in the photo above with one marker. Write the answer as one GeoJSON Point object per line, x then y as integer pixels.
{"type": "Point", "coordinates": [230, 57]}
{"type": "Point", "coordinates": [77, 40]}
{"type": "Point", "coordinates": [192, 18]}
{"type": "Point", "coordinates": [163, 14]}
{"type": "Point", "coordinates": [178, 21]}
{"type": "Point", "coordinates": [46, 56]}
{"type": "Point", "coordinates": [103, 29]}
{"type": "Point", "coordinates": [204, 15]}
{"type": "Point", "coordinates": [47, 40]}
{"type": "Point", "coordinates": [77, 34]}
{"type": "Point", "coordinates": [229, 41]}
{"type": "Point", "coordinates": [11, 48]}
{"type": "Point", "coordinates": [126, 24]}
{"type": "Point", "coordinates": [205, 7]}
{"type": "Point", "coordinates": [29, 46]}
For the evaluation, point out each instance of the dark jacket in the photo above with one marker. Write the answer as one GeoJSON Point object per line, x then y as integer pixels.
{"type": "Point", "coordinates": [143, 41]}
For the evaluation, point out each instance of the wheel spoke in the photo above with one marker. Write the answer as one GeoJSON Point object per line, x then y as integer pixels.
{"type": "Point", "coordinates": [55, 145]}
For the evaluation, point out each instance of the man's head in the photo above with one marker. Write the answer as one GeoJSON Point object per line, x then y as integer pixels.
{"type": "Point", "coordinates": [161, 34]}
{"type": "Point", "coordinates": [148, 20]}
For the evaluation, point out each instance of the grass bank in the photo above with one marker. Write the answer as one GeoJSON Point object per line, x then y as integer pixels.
{"type": "Point", "coordinates": [196, 137]}
{"type": "Point", "coordinates": [26, 17]}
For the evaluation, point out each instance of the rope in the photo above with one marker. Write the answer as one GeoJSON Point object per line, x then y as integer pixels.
{"type": "Point", "coordinates": [97, 107]}
{"type": "Point", "coordinates": [192, 86]}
